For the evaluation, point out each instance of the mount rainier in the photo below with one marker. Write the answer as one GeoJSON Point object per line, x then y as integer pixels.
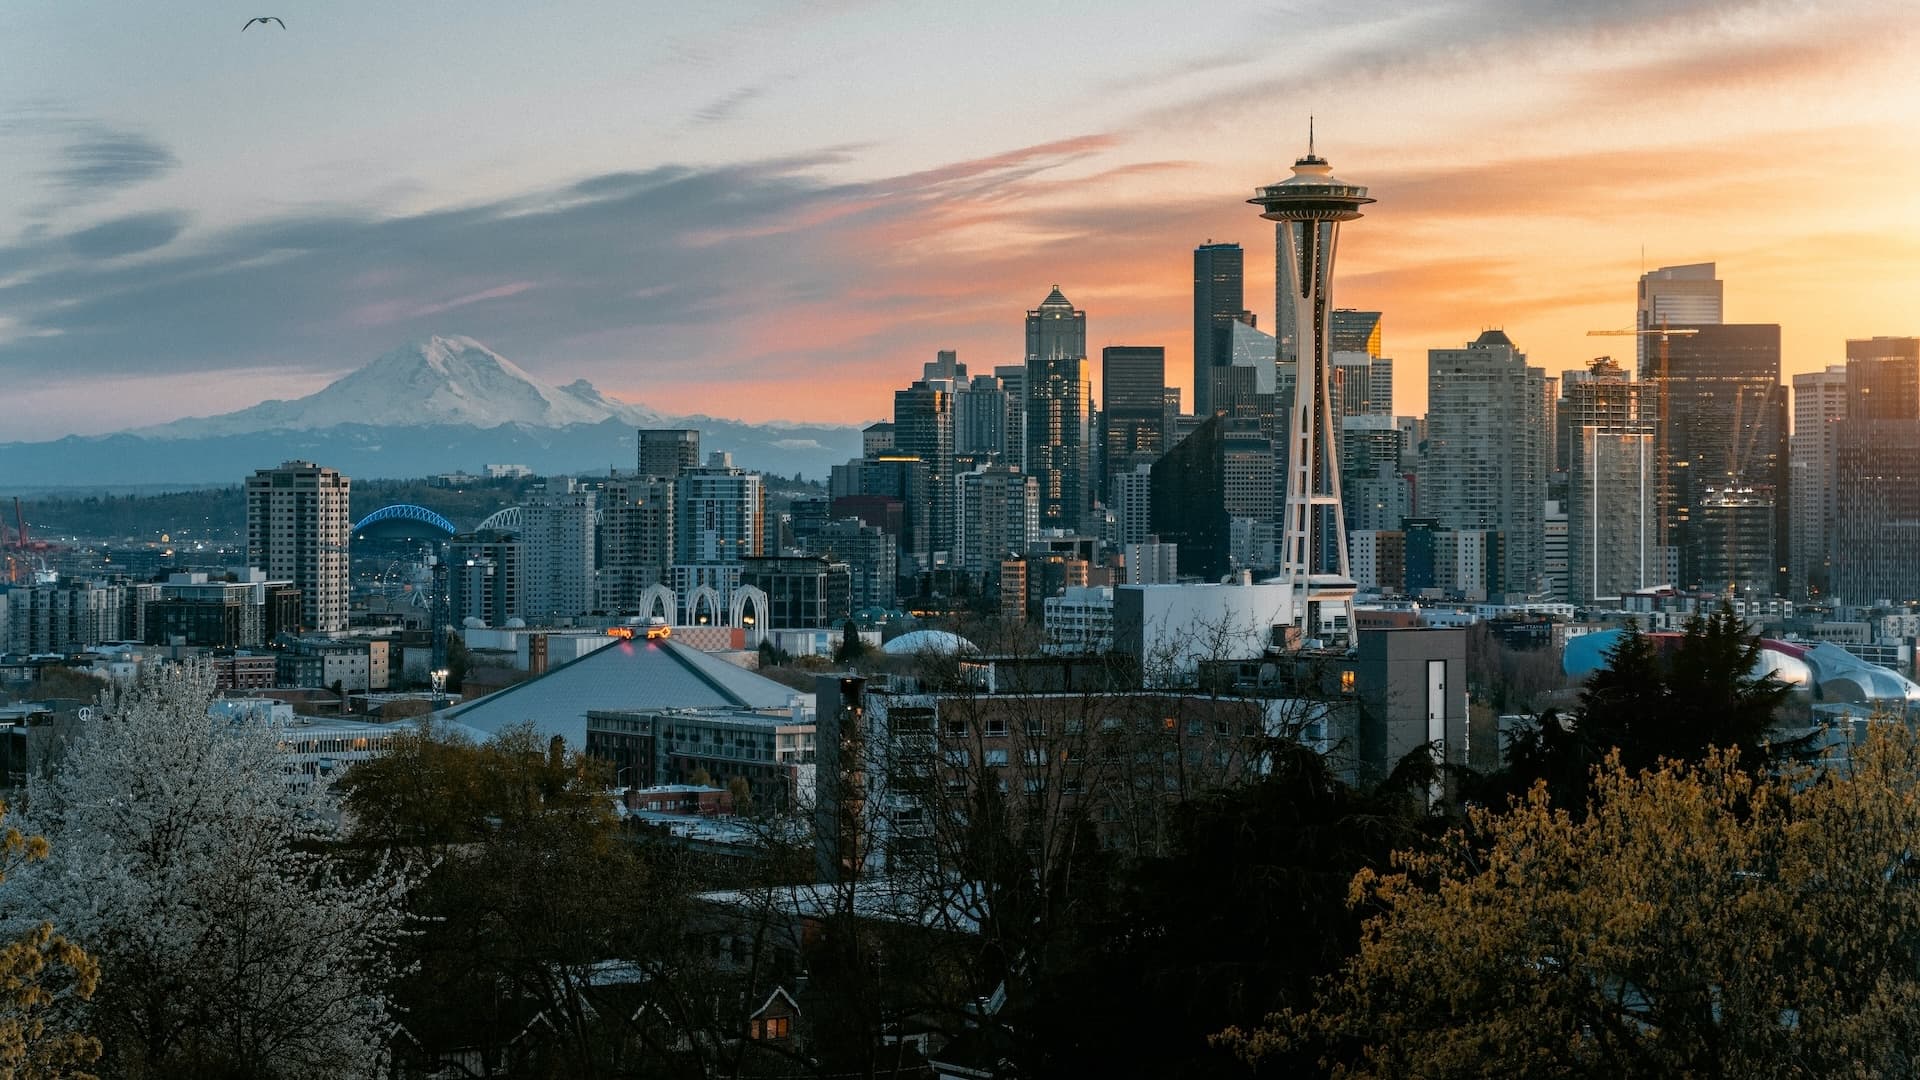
{"type": "Point", "coordinates": [444, 404]}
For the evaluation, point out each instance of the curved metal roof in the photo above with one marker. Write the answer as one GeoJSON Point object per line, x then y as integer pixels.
{"type": "Point", "coordinates": [506, 520]}
{"type": "Point", "coordinates": [405, 512]}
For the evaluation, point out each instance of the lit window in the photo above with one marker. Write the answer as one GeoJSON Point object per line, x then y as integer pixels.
{"type": "Point", "coordinates": [1346, 682]}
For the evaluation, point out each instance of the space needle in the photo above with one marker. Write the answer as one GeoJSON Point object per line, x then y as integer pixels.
{"type": "Point", "coordinates": [1309, 207]}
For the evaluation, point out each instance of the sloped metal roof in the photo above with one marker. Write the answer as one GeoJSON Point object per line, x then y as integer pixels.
{"type": "Point", "coordinates": [625, 675]}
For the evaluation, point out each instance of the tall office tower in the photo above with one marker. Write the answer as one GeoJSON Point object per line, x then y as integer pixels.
{"type": "Point", "coordinates": [719, 516]}
{"type": "Point", "coordinates": [1132, 505]}
{"type": "Point", "coordinates": [668, 452]}
{"type": "Point", "coordinates": [636, 540]}
{"type": "Point", "coordinates": [1246, 385]}
{"type": "Point", "coordinates": [1133, 395]}
{"type": "Point", "coordinates": [1013, 378]}
{"type": "Point", "coordinates": [944, 365]}
{"type": "Point", "coordinates": [1309, 207]}
{"type": "Point", "coordinates": [1219, 300]}
{"type": "Point", "coordinates": [1611, 546]}
{"type": "Point", "coordinates": [1363, 377]}
{"type": "Point", "coordinates": [900, 479]}
{"type": "Point", "coordinates": [1721, 453]}
{"type": "Point", "coordinates": [1883, 378]}
{"type": "Point", "coordinates": [1056, 329]}
{"type": "Point", "coordinates": [558, 558]}
{"type": "Point", "coordinates": [1189, 500]}
{"type": "Point", "coordinates": [1059, 407]}
{"type": "Point", "coordinates": [1819, 403]}
{"type": "Point", "coordinates": [1676, 296]}
{"type": "Point", "coordinates": [999, 516]}
{"type": "Point", "coordinates": [923, 428]}
{"type": "Point", "coordinates": [1876, 475]}
{"type": "Point", "coordinates": [980, 419]}
{"type": "Point", "coordinates": [1355, 331]}
{"type": "Point", "coordinates": [1489, 449]}
{"type": "Point", "coordinates": [297, 531]}
{"type": "Point", "coordinates": [1246, 462]}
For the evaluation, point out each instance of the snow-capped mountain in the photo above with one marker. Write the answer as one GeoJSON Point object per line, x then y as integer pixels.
{"type": "Point", "coordinates": [443, 380]}
{"type": "Point", "coordinates": [448, 403]}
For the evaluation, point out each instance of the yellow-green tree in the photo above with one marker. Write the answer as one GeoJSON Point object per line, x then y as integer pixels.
{"type": "Point", "coordinates": [38, 970]}
{"type": "Point", "coordinates": [1698, 921]}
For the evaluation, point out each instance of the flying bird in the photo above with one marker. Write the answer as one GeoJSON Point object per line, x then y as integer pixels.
{"type": "Point", "coordinates": [263, 20]}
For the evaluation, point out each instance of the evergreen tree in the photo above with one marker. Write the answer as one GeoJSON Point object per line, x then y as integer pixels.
{"type": "Point", "coordinates": [851, 647]}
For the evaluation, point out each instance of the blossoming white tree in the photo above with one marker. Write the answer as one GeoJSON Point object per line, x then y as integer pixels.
{"type": "Point", "coordinates": [193, 866]}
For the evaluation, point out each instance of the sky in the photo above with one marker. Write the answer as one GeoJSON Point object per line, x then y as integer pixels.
{"type": "Point", "coordinates": [780, 211]}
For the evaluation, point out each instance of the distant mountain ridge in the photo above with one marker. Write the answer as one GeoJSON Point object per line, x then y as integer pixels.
{"type": "Point", "coordinates": [441, 405]}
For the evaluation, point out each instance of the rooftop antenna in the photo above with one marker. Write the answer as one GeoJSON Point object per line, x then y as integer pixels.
{"type": "Point", "coordinates": [1309, 134]}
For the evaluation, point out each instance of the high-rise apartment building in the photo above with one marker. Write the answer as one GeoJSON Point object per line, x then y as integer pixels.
{"type": "Point", "coordinates": [668, 452]}
{"type": "Point", "coordinates": [1489, 449]}
{"type": "Point", "coordinates": [1133, 396]}
{"type": "Point", "coordinates": [558, 553]}
{"type": "Point", "coordinates": [1721, 452]}
{"type": "Point", "coordinates": [1819, 404]}
{"type": "Point", "coordinates": [1611, 547]}
{"type": "Point", "coordinates": [871, 556]}
{"type": "Point", "coordinates": [876, 438]}
{"type": "Point", "coordinates": [484, 577]}
{"type": "Point", "coordinates": [1676, 296]}
{"type": "Point", "coordinates": [999, 516]}
{"type": "Point", "coordinates": [1219, 301]}
{"type": "Point", "coordinates": [1059, 411]}
{"type": "Point", "coordinates": [719, 516]}
{"type": "Point", "coordinates": [297, 531]}
{"type": "Point", "coordinates": [1375, 490]}
{"type": "Point", "coordinates": [1131, 500]}
{"type": "Point", "coordinates": [636, 540]}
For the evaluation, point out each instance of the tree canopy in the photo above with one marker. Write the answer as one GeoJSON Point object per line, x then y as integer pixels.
{"type": "Point", "coordinates": [188, 860]}
{"type": "Point", "coordinates": [1702, 920]}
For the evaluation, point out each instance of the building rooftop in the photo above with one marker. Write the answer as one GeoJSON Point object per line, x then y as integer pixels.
{"type": "Point", "coordinates": [625, 676]}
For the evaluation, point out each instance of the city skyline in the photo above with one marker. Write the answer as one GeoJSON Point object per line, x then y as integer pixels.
{"type": "Point", "coordinates": [675, 235]}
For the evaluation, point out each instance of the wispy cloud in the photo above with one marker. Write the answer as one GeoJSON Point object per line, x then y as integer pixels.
{"type": "Point", "coordinates": [727, 105]}
{"type": "Point", "coordinates": [127, 235]}
{"type": "Point", "coordinates": [104, 160]}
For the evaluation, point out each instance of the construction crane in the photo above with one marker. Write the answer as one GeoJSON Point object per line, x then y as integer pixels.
{"type": "Point", "coordinates": [1660, 391]}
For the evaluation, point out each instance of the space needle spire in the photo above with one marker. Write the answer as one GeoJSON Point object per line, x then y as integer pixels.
{"type": "Point", "coordinates": [1308, 208]}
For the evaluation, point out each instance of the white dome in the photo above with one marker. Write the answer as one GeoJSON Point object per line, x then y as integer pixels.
{"type": "Point", "coordinates": [922, 642]}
